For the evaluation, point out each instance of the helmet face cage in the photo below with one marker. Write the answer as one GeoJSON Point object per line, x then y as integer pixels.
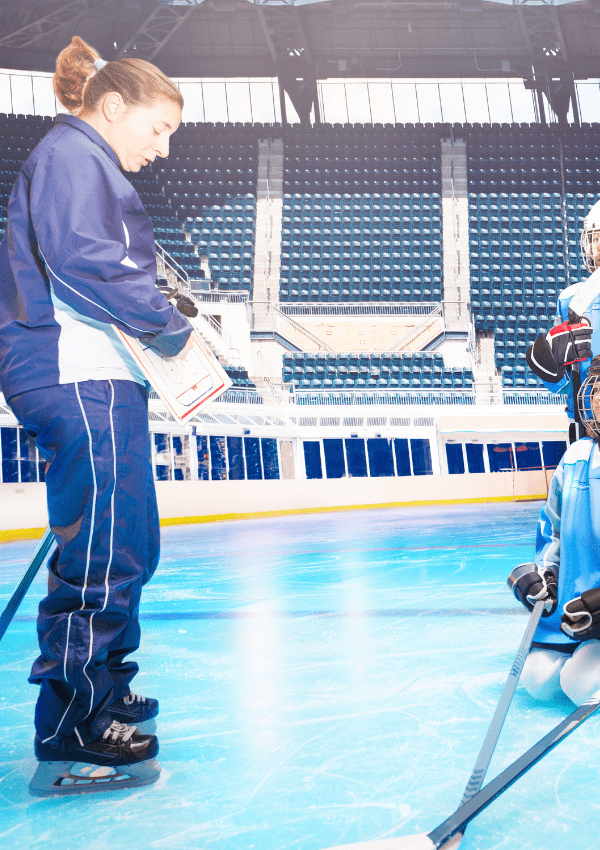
{"type": "Point", "coordinates": [588, 403]}
{"type": "Point", "coordinates": [590, 247]}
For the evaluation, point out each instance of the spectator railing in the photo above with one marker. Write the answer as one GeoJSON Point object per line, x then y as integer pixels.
{"type": "Point", "coordinates": [425, 397]}
{"type": "Point", "coordinates": [346, 309]}
{"type": "Point", "coordinates": [171, 264]}
{"type": "Point", "coordinates": [212, 296]}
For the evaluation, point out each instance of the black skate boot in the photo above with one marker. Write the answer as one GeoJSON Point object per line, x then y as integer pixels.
{"type": "Point", "coordinates": [120, 758]}
{"type": "Point", "coordinates": [135, 710]}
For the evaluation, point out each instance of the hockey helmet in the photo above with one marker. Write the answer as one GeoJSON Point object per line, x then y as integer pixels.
{"type": "Point", "coordinates": [590, 238]}
{"type": "Point", "coordinates": [588, 400]}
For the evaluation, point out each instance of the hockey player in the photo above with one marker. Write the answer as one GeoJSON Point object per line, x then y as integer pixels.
{"type": "Point", "coordinates": [560, 358]}
{"type": "Point", "coordinates": [565, 655]}
{"type": "Point", "coordinates": [77, 258]}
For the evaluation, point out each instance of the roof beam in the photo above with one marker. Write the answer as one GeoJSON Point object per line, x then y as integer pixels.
{"type": "Point", "coordinates": [292, 57]}
{"type": "Point", "coordinates": [48, 24]}
{"type": "Point", "coordinates": [552, 69]}
{"type": "Point", "coordinates": [158, 28]}
{"type": "Point", "coordinates": [543, 34]}
{"type": "Point", "coordinates": [284, 32]}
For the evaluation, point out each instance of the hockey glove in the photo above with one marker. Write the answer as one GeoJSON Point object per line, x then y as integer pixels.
{"type": "Point", "coordinates": [564, 345]}
{"type": "Point", "coordinates": [581, 616]}
{"type": "Point", "coordinates": [531, 583]}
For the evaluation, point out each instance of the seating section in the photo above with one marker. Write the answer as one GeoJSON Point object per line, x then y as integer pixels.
{"type": "Point", "coordinates": [168, 231]}
{"type": "Point", "coordinates": [239, 377]}
{"type": "Point", "coordinates": [225, 234]}
{"type": "Point", "coordinates": [360, 159]}
{"type": "Point", "coordinates": [525, 231]}
{"type": "Point", "coordinates": [577, 206]}
{"type": "Point", "coordinates": [513, 158]}
{"type": "Point", "coordinates": [517, 270]}
{"type": "Point", "coordinates": [363, 247]}
{"type": "Point", "coordinates": [18, 135]}
{"type": "Point", "coordinates": [362, 222]}
{"type": "Point", "coordinates": [210, 179]}
{"type": "Point", "coordinates": [361, 213]}
{"type": "Point", "coordinates": [379, 370]}
{"type": "Point", "coordinates": [581, 159]}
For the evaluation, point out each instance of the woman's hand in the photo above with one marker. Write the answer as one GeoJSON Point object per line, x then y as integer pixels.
{"type": "Point", "coordinates": [186, 349]}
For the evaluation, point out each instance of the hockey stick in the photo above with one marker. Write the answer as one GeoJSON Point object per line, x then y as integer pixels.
{"type": "Point", "coordinates": [35, 563]}
{"type": "Point", "coordinates": [489, 744]}
{"type": "Point", "coordinates": [456, 823]}
{"type": "Point", "coordinates": [491, 739]}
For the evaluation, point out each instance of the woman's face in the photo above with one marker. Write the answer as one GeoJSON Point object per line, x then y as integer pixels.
{"type": "Point", "coordinates": [138, 134]}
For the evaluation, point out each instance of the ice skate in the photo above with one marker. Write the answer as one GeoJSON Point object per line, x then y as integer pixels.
{"type": "Point", "coordinates": [120, 758]}
{"type": "Point", "coordinates": [136, 710]}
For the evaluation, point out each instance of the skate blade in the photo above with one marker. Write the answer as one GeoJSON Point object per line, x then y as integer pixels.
{"type": "Point", "coordinates": [420, 841]}
{"type": "Point", "coordinates": [58, 778]}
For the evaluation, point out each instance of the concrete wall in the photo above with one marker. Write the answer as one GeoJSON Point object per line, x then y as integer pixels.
{"type": "Point", "coordinates": [234, 321]}
{"type": "Point", "coordinates": [23, 506]}
{"type": "Point", "coordinates": [367, 333]}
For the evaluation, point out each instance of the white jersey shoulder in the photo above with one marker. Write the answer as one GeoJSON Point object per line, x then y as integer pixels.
{"type": "Point", "coordinates": [585, 293]}
{"type": "Point", "coordinates": [570, 291]}
{"type": "Point", "coordinates": [579, 450]}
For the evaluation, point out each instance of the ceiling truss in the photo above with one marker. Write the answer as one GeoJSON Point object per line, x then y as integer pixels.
{"type": "Point", "coordinates": [156, 30]}
{"type": "Point", "coordinates": [551, 67]}
{"type": "Point", "coordinates": [293, 59]}
{"type": "Point", "coordinates": [46, 25]}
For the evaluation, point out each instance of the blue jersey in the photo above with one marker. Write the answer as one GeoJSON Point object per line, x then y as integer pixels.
{"type": "Point", "coordinates": [592, 312]}
{"type": "Point", "coordinates": [568, 537]}
{"type": "Point", "coordinates": [77, 258]}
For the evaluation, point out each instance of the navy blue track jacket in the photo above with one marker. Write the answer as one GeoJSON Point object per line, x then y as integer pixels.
{"type": "Point", "coordinates": [78, 257]}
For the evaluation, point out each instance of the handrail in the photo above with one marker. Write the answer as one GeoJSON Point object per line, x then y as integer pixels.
{"type": "Point", "coordinates": [417, 397]}
{"type": "Point", "coordinates": [413, 333]}
{"type": "Point", "coordinates": [426, 397]}
{"type": "Point", "coordinates": [387, 308]}
{"type": "Point", "coordinates": [217, 295]}
{"type": "Point", "coordinates": [213, 323]}
{"type": "Point", "coordinates": [172, 263]}
{"type": "Point", "coordinates": [297, 327]}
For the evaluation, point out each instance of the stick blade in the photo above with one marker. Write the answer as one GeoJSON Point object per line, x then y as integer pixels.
{"type": "Point", "coordinates": [420, 841]}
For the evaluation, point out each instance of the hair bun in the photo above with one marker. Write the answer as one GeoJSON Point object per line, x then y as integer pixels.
{"type": "Point", "coordinates": [79, 86]}
{"type": "Point", "coordinates": [74, 67]}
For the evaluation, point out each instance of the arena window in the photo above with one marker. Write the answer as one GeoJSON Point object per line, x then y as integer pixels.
{"type": "Point", "coordinates": [475, 461]}
{"type": "Point", "coordinates": [312, 459]}
{"type": "Point", "coordinates": [21, 461]}
{"type": "Point", "coordinates": [455, 458]}
{"type": "Point", "coordinates": [356, 458]}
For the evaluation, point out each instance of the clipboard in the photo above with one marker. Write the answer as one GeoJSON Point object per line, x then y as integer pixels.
{"type": "Point", "coordinates": [185, 385]}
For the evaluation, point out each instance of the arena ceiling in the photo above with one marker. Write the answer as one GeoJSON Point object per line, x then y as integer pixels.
{"type": "Point", "coordinates": [548, 44]}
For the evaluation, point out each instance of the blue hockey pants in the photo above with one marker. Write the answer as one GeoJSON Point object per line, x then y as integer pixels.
{"type": "Point", "coordinates": [103, 512]}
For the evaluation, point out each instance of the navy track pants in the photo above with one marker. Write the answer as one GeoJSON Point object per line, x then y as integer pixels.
{"type": "Point", "coordinates": [103, 512]}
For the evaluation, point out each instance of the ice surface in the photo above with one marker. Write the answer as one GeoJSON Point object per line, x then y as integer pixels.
{"type": "Point", "coordinates": [324, 679]}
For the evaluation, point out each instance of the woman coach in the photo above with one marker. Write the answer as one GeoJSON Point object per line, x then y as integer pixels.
{"type": "Point", "coordinates": [76, 259]}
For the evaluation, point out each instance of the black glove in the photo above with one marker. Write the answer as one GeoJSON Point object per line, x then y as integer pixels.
{"type": "Point", "coordinates": [531, 583]}
{"type": "Point", "coordinates": [581, 616]}
{"type": "Point", "coordinates": [185, 305]}
{"type": "Point", "coordinates": [565, 344]}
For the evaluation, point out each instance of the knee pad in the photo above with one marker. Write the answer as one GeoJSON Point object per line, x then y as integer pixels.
{"type": "Point", "coordinates": [541, 673]}
{"type": "Point", "coordinates": [580, 676]}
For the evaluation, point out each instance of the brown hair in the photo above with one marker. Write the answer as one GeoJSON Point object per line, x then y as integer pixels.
{"type": "Point", "coordinates": [80, 87]}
